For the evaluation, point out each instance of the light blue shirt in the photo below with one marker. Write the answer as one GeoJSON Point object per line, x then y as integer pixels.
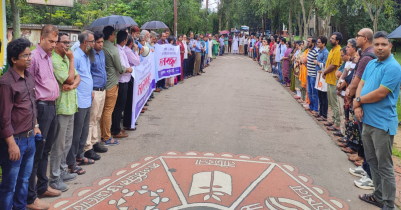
{"type": "Point", "coordinates": [198, 47]}
{"type": "Point", "coordinates": [191, 43]}
{"type": "Point", "coordinates": [282, 51]}
{"type": "Point", "coordinates": [221, 40]}
{"type": "Point", "coordinates": [382, 114]}
{"type": "Point", "coordinates": [295, 55]}
{"type": "Point", "coordinates": [322, 58]}
{"type": "Point", "coordinates": [85, 87]}
{"type": "Point", "coordinates": [98, 70]}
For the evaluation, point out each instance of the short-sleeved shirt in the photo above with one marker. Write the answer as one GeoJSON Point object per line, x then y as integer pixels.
{"type": "Point", "coordinates": [203, 43]}
{"type": "Point", "coordinates": [382, 114]}
{"type": "Point", "coordinates": [310, 65]}
{"type": "Point", "coordinates": [322, 59]}
{"type": "Point", "coordinates": [226, 41]}
{"type": "Point", "coordinates": [334, 58]}
{"type": "Point", "coordinates": [85, 87]}
{"type": "Point", "coordinates": [66, 103]}
{"type": "Point", "coordinates": [363, 62]}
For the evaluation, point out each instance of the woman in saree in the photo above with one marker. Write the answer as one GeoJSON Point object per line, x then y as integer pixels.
{"type": "Point", "coordinates": [302, 77]}
{"type": "Point", "coordinates": [286, 65]}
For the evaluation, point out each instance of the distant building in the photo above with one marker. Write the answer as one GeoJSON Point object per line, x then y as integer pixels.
{"type": "Point", "coordinates": [32, 32]}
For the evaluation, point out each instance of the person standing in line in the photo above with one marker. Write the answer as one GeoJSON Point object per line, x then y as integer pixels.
{"type": "Point", "coordinates": [114, 69]}
{"type": "Point", "coordinates": [246, 45]}
{"type": "Point", "coordinates": [221, 40]}
{"type": "Point", "coordinates": [226, 44]}
{"type": "Point", "coordinates": [210, 49]}
{"type": "Point", "coordinates": [311, 78]}
{"type": "Point", "coordinates": [198, 50]}
{"type": "Point", "coordinates": [286, 64]}
{"type": "Point", "coordinates": [203, 52]}
{"type": "Point", "coordinates": [180, 78]}
{"type": "Point", "coordinates": [18, 126]}
{"type": "Point", "coordinates": [162, 84]}
{"type": "Point", "coordinates": [241, 44]}
{"type": "Point", "coordinates": [99, 76]}
{"type": "Point", "coordinates": [47, 91]}
{"type": "Point", "coordinates": [230, 43]}
{"type": "Point", "coordinates": [134, 59]}
{"type": "Point", "coordinates": [235, 44]}
{"type": "Point", "coordinates": [121, 102]}
{"type": "Point", "coordinates": [191, 63]}
{"type": "Point", "coordinates": [83, 56]}
{"type": "Point", "coordinates": [320, 63]}
{"type": "Point", "coordinates": [187, 58]}
{"type": "Point", "coordinates": [333, 63]}
{"type": "Point", "coordinates": [375, 105]}
{"type": "Point", "coordinates": [66, 106]}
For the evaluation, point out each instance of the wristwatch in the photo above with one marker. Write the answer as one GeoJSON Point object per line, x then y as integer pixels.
{"type": "Point", "coordinates": [37, 126]}
{"type": "Point", "coordinates": [358, 99]}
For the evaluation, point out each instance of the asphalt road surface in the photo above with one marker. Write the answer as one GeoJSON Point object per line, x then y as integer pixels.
{"type": "Point", "coordinates": [234, 108]}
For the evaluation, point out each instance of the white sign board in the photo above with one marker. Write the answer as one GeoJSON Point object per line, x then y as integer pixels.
{"type": "Point", "coordinates": [61, 3]}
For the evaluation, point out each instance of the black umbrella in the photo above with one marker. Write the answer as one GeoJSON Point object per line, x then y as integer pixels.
{"type": "Point", "coordinates": [116, 21]}
{"type": "Point", "coordinates": [154, 25]}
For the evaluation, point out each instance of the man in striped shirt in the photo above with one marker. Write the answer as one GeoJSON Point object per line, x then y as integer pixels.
{"type": "Point", "coordinates": [311, 66]}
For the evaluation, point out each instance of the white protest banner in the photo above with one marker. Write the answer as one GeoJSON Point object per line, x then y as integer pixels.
{"type": "Point", "coordinates": [168, 61]}
{"type": "Point", "coordinates": [144, 81]}
{"type": "Point", "coordinates": [320, 82]}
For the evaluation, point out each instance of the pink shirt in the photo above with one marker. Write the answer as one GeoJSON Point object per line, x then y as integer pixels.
{"type": "Point", "coordinates": [133, 58]}
{"type": "Point", "coordinates": [126, 77]}
{"type": "Point", "coordinates": [46, 85]}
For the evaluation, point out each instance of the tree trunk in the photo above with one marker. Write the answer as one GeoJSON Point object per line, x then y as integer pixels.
{"type": "Point", "coordinates": [377, 8]}
{"type": "Point", "coordinates": [299, 25]}
{"type": "Point", "coordinates": [227, 19]}
{"type": "Point", "coordinates": [316, 25]}
{"type": "Point", "coordinates": [15, 19]}
{"type": "Point", "coordinates": [220, 14]}
{"type": "Point", "coordinates": [304, 19]}
{"type": "Point", "coordinates": [290, 23]}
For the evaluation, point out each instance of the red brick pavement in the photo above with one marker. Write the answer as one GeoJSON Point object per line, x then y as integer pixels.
{"type": "Point", "coordinates": [397, 161]}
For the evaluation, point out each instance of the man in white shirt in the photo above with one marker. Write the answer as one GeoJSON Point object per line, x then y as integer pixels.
{"type": "Point", "coordinates": [210, 52]}
{"type": "Point", "coordinates": [185, 62]}
{"type": "Point", "coordinates": [241, 44]}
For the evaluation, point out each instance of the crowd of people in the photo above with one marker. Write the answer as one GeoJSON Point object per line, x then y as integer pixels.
{"type": "Point", "coordinates": [362, 84]}
{"type": "Point", "coordinates": [56, 96]}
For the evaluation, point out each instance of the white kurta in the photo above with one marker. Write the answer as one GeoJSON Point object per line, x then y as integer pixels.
{"type": "Point", "coordinates": [210, 52]}
{"type": "Point", "coordinates": [235, 44]}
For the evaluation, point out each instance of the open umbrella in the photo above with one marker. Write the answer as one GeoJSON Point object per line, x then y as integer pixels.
{"type": "Point", "coordinates": [154, 25]}
{"type": "Point", "coordinates": [224, 32]}
{"type": "Point", "coordinates": [118, 22]}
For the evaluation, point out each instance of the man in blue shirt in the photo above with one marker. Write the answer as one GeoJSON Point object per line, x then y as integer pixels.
{"type": "Point", "coordinates": [221, 40]}
{"type": "Point", "coordinates": [82, 64]}
{"type": "Point", "coordinates": [191, 62]}
{"type": "Point", "coordinates": [320, 63]}
{"type": "Point", "coordinates": [99, 76]}
{"type": "Point", "coordinates": [375, 105]}
{"type": "Point", "coordinates": [198, 56]}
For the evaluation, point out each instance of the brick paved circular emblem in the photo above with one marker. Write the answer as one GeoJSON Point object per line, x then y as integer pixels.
{"type": "Point", "coordinates": [206, 181]}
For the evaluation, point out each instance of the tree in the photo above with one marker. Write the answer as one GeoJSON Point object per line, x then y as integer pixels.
{"type": "Point", "coordinates": [15, 18]}
{"type": "Point", "coordinates": [376, 6]}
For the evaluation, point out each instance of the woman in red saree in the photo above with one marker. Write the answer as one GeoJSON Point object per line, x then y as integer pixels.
{"type": "Point", "coordinates": [182, 51]}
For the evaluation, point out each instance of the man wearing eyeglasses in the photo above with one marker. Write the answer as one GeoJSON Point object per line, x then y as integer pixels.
{"type": "Point", "coordinates": [18, 126]}
{"type": "Point", "coordinates": [66, 106]}
{"type": "Point", "coordinates": [47, 91]}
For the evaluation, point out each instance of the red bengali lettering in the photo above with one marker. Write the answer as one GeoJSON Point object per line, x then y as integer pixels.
{"type": "Point", "coordinates": [167, 61]}
{"type": "Point", "coordinates": [144, 85]}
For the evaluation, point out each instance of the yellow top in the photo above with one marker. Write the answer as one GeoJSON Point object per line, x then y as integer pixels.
{"type": "Point", "coordinates": [334, 58]}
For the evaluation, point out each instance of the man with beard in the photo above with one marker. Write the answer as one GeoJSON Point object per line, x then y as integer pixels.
{"type": "Point", "coordinates": [329, 74]}
{"type": "Point", "coordinates": [66, 106]}
{"type": "Point", "coordinates": [99, 76]}
{"type": "Point", "coordinates": [83, 57]}
{"type": "Point", "coordinates": [122, 87]}
{"type": "Point", "coordinates": [18, 126]}
{"type": "Point", "coordinates": [311, 78]}
{"type": "Point", "coordinates": [47, 91]}
{"type": "Point", "coordinates": [114, 69]}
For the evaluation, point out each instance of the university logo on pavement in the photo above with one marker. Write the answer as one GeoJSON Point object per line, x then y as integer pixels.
{"type": "Point", "coordinates": [206, 181]}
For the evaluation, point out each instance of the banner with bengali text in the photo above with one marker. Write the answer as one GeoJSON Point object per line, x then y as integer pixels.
{"type": "Point", "coordinates": [144, 83]}
{"type": "Point", "coordinates": [168, 61]}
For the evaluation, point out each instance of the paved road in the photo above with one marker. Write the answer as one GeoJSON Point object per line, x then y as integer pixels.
{"type": "Point", "coordinates": [236, 108]}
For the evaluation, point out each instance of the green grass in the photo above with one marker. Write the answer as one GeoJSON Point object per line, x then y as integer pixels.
{"type": "Point", "coordinates": [397, 56]}
{"type": "Point", "coordinates": [396, 152]}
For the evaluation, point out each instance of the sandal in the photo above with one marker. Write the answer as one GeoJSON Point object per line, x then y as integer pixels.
{"type": "Point", "coordinates": [370, 199]}
{"type": "Point", "coordinates": [338, 133]}
{"type": "Point", "coordinates": [321, 119]}
{"type": "Point", "coordinates": [342, 140]}
{"type": "Point", "coordinates": [331, 128]}
{"type": "Point", "coordinates": [83, 162]}
{"type": "Point", "coordinates": [109, 143]}
{"type": "Point", "coordinates": [328, 124]}
{"type": "Point", "coordinates": [76, 169]}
